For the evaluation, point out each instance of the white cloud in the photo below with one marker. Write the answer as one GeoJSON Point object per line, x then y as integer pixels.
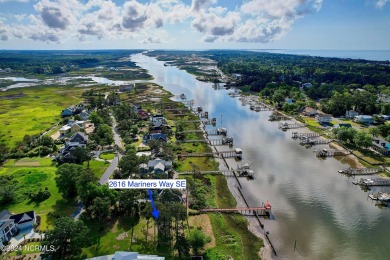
{"type": "Point", "coordinates": [151, 39]}
{"type": "Point", "coordinates": [381, 3]}
{"type": "Point", "coordinates": [19, 1]}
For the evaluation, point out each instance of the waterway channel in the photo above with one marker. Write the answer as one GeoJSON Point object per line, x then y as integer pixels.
{"type": "Point", "coordinates": [314, 205]}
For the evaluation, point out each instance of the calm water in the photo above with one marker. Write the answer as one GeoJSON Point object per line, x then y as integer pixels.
{"type": "Point", "coordinates": [377, 55]}
{"type": "Point", "coordinates": [313, 204]}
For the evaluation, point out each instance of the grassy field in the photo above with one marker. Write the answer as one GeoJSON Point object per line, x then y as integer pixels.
{"type": "Point", "coordinates": [31, 179]}
{"type": "Point", "coordinates": [97, 167]}
{"type": "Point", "coordinates": [35, 112]}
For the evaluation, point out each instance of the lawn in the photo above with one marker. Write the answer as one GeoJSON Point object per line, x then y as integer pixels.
{"type": "Point", "coordinates": [32, 179]}
{"type": "Point", "coordinates": [107, 156]}
{"type": "Point", "coordinates": [35, 112]}
{"type": "Point", "coordinates": [97, 167]}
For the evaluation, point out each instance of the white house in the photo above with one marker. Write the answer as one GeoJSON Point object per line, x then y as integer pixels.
{"type": "Point", "coordinates": [10, 224]}
{"type": "Point", "coordinates": [363, 119]}
{"type": "Point", "coordinates": [324, 118]}
{"type": "Point", "coordinates": [351, 114]}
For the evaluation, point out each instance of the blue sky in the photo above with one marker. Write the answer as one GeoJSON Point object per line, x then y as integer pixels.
{"type": "Point", "coordinates": [195, 24]}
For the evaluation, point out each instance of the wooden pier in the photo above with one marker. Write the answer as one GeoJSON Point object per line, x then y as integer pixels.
{"type": "Point", "coordinates": [373, 182]}
{"type": "Point", "coordinates": [361, 171]}
{"type": "Point", "coordinates": [309, 141]}
{"type": "Point", "coordinates": [189, 103]}
{"type": "Point", "coordinates": [214, 142]}
{"type": "Point", "coordinates": [209, 132]}
{"type": "Point", "coordinates": [278, 118]}
{"type": "Point", "coordinates": [304, 135]}
{"type": "Point", "coordinates": [285, 125]}
{"type": "Point", "coordinates": [330, 153]}
{"type": "Point", "coordinates": [205, 122]}
{"type": "Point", "coordinates": [228, 173]}
{"type": "Point", "coordinates": [249, 210]}
{"type": "Point", "coordinates": [219, 154]}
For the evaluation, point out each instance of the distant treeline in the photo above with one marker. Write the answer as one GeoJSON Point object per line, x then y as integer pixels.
{"type": "Point", "coordinates": [54, 62]}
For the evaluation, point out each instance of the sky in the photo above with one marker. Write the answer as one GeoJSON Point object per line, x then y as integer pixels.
{"type": "Point", "coordinates": [195, 24]}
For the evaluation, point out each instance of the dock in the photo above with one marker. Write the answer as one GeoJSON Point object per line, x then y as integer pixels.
{"type": "Point", "coordinates": [214, 142]}
{"type": "Point", "coordinates": [226, 154]}
{"type": "Point", "coordinates": [278, 118]}
{"type": "Point", "coordinates": [373, 182]}
{"type": "Point", "coordinates": [361, 171]}
{"type": "Point", "coordinates": [228, 173]}
{"type": "Point", "coordinates": [304, 135]}
{"type": "Point", "coordinates": [249, 210]}
{"type": "Point", "coordinates": [285, 125]}
{"type": "Point", "coordinates": [311, 141]}
{"type": "Point", "coordinates": [331, 153]}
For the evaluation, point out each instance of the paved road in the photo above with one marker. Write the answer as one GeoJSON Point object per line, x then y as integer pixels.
{"type": "Point", "coordinates": [114, 163]}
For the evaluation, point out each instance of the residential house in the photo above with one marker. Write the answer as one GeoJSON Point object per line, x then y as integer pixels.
{"type": "Point", "coordinates": [154, 136]}
{"type": "Point", "coordinates": [158, 118]}
{"type": "Point", "coordinates": [159, 166]}
{"type": "Point", "coordinates": [324, 118]}
{"type": "Point", "coordinates": [351, 114]}
{"type": "Point", "coordinates": [237, 76]}
{"type": "Point", "coordinates": [84, 115]}
{"type": "Point", "coordinates": [121, 255]}
{"type": "Point", "coordinates": [381, 145]}
{"type": "Point", "coordinates": [64, 130]}
{"type": "Point", "coordinates": [77, 140]}
{"type": "Point", "coordinates": [383, 98]}
{"type": "Point", "coordinates": [309, 111]}
{"type": "Point", "coordinates": [77, 126]}
{"type": "Point", "coordinates": [142, 114]}
{"type": "Point", "coordinates": [69, 111]}
{"type": "Point", "coordinates": [10, 223]}
{"type": "Point", "coordinates": [158, 127]}
{"type": "Point", "coordinates": [79, 137]}
{"type": "Point", "coordinates": [363, 119]}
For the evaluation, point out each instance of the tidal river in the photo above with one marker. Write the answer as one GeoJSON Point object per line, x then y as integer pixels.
{"type": "Point", "coordinates": [314, 205]}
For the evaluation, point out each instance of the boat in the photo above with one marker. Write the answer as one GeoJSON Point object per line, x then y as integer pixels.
{"type": "Point", "coordinates": [182, 96]}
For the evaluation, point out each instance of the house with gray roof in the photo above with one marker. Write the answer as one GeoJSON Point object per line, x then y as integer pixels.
{"type": "Point", "coordinates": [10, 223]}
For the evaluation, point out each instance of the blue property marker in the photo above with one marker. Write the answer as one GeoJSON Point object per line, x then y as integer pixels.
{"type": "Point", "coordinates": [155, 212]}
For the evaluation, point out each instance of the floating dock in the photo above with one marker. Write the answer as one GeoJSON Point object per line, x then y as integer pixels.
{"type": "Point", "coordinates": [360, 171]}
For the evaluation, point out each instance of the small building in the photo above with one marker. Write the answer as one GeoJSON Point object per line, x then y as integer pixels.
{"type": "Point", "coordinates": [363, 119]}
{"type": "Point", "coordinates": [383, 98]}
{"type": "Point", "coordinates": [237, 76]}
{"type": "Point", "coordinates": [309, 111]}
{"type": "Point", "coordinates": [351, 114]}
{"type": "Point", "coordinates": [381, 145]}
{"type": "Point", "coordinates": [324, 118]}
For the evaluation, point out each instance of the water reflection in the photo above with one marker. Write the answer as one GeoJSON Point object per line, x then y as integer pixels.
{"type": "Point", "coordinates": [314, 205]}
